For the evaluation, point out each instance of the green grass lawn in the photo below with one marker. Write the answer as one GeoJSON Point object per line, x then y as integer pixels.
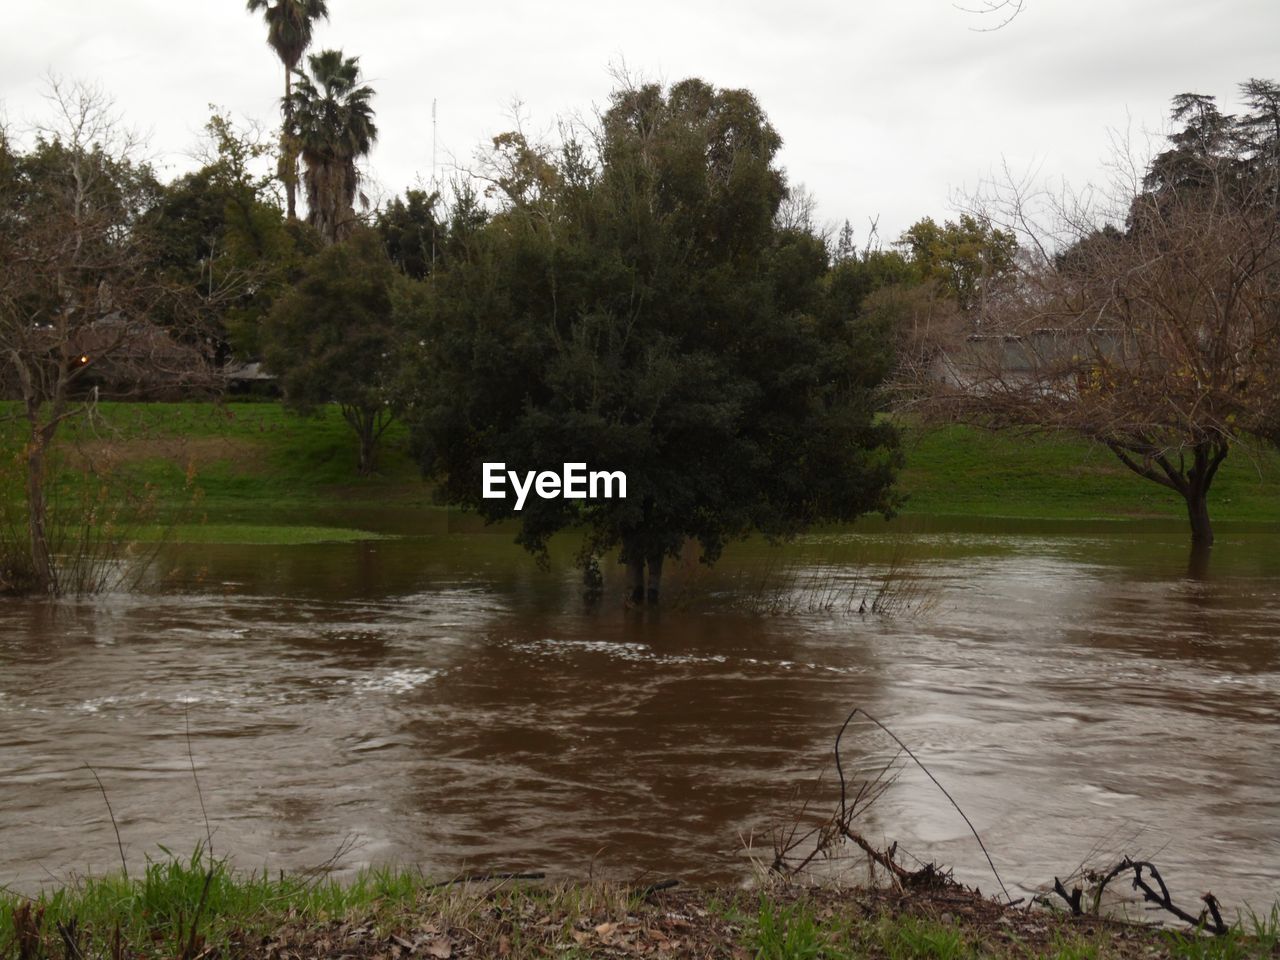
{"type": "Point", "coordinates": [250, 452]}
{"type": "Point", "coordinates": [962, 471]}
{"type": "Point", "coordinates": [233, 473]}
{"type": "Point", "coordinates": [255, 473]}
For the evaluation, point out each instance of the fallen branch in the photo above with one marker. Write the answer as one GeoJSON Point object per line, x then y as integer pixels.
{"type": "Point", "coordinates": [484, 878]}
{"type": "Point", "coordinates": [658, 887]}
{"type": "Point", "coordinates": [1210, 918]}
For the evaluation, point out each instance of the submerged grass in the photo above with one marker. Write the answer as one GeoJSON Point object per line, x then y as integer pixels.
{"type": "Point", "coordinates": [245, 533]}
{"type": "Point", "coordinates": [846, 579]}
{"type": "Point", "coordinates": [198, 907]}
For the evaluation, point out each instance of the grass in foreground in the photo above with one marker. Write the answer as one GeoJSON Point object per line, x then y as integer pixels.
{"type": "Point", "coordinates": [199, 908]}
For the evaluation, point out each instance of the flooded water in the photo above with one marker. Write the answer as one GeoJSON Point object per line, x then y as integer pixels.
{"type": "Point", "coordinates": [439, 701]}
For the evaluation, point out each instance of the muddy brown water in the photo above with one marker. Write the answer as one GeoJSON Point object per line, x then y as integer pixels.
{"type": "Point", "coordinates": [439, 701]}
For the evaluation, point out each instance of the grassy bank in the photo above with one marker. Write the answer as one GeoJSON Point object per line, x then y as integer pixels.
{"type": "Point", "coordinates": [234, 473]}
{"type": "Point", "coordinates": [244, 454]}
{"type": "Point", "coordinates": [199, 908]}
{"type": "Point", "coordinates": [254, 473]}
{"type": "Point", "coordinates": [961, 471]}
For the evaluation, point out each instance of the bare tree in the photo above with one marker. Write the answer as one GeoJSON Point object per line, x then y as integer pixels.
{"type": "Point", "coordinates": [77, 290]}
{"type": "Point", "coordinates": [1158, 337]}
{"type": "Point", "coordinates": [798, 210]}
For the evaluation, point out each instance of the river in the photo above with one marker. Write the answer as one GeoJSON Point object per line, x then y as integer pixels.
{"type": "Point", "coordinates": [437, 700]}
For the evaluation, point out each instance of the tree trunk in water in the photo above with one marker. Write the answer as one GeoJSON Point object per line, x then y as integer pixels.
{"type": "Point", "coordinates": [286, 152]}
{"type": "Point", "coordinates": [1198, 511]}
{"type": "Point", "coordinates": [1198, 563]}
{"type": "Point", "coordinates": [635, 580]}
{"type": "Point", "coordinates": [41, 561]}
{"type": "Point", "coordinates": [655, 578]}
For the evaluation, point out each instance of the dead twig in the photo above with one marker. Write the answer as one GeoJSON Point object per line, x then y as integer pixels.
{"type": "Point", "coordinates": [658, 887]}
{"type": "Point", "coordinates": [1210, 918]}
{"type": "Point", "coordinates": [114, 826]}
{"type": "Point", "coordinates": [191, 757]}
{"type": "Point", "coordinates": [928, 773]}
{"type": "Point", "coordinates": [72, 941]}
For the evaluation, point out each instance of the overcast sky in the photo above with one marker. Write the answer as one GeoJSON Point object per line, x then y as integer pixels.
{"type": "Point", "coordinates": [886, 107]}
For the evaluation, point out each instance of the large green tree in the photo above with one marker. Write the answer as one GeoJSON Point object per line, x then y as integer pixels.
{"type": "Point", "coordinates": [289, 27]}
{"type": "Point", "coordinates": [636, 307]}
{"type": "Point", "coordinates": [332, 124]}
{"type": "Point", "coordinates": [334, 337]}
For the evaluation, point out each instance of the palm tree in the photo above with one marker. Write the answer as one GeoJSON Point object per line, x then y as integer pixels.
{"type": "Point", "coordinates": [333, 128]}
{"type": "Point", "coordinates": [289, 24]}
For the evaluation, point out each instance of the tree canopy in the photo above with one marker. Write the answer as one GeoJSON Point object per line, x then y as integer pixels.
{"type": "Point", "coordinates": [966, 257]}
{"type": "Point", "coordinates": [219, 232]}
{"type": "Point", "coordinates": [334, 337]}
{"type": "Point", "coordinates": [635, 306]}
{"type": "Point", "coordinates": [412, 233]}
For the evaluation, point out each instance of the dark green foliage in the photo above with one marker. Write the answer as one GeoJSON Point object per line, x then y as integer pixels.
{"type": "Point", "coordinates": [881, 298]}
{"type": "Point", "coordinates": [413, 237]}
{"type": "Point", "coordinates": [1206, 133]}
{"type": "Point", "coordinates": [855, 278]}
{"type": "Point", "coordinates": [220, 233]}
{"type": "Point", "coordinates": [1259, 129]}
{"type": "Point", "coordinates": [1238, 154]}
{"type": "Point", "coordinates": [334, 337]}
{"type": "Point", "coordinates": [289, 25]}
{"type": "Point", "coordinates": [645, 314]}
{"type": "Point", "coordinates": [845, 248]}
